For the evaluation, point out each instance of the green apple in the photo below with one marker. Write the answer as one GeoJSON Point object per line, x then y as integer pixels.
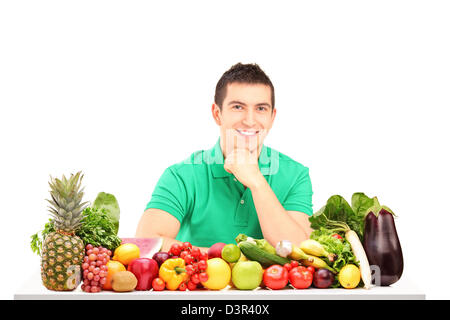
{"type": "Point", "coordinates": [247, 275]}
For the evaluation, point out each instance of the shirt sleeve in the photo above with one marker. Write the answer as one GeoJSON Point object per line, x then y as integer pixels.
{"type": "Point", "coordinates": [170, 195]}
{"type": "Point", "coordinates": [299, 197]}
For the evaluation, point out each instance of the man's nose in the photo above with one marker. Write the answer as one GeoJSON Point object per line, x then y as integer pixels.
{"type": "Point", "coordinates": [249, 119]}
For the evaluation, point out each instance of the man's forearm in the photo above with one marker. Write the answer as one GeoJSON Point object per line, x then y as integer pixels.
{"type": "Point", "coordinates": [167, 243]}
{"type": "Point", "coordinates": [275, 222]}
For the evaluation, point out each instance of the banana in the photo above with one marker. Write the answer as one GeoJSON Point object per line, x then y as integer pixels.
{"type": "Point", "coordinates": [314, 248]}
{"type": "Point", "coordinates": [316, 263]}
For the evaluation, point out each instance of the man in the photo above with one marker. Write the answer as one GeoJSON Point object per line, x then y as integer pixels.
{"type": "Point", "coordinates": [238, 186]}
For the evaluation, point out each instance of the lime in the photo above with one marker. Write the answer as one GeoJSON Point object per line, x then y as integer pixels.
{"type": "Point", "coordinates": [349, 276]}
{"type": "Point", "coordinates": [231, 253]}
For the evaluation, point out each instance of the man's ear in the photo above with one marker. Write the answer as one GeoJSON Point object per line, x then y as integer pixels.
{"type": "Point", "coordinates": [216, 114]}
{"type": "Point", "coordinates": [274, 113]}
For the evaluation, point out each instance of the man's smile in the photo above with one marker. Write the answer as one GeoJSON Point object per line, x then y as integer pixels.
{"type": "Point", "coordinates": [247, 133]}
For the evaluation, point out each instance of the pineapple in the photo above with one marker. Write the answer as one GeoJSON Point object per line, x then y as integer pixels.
{"type": "Point", "coordinates": [62, 250]}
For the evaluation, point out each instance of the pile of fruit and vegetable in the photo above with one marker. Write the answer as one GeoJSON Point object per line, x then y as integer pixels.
{"type": "Point", "coordinates": [352, 245]}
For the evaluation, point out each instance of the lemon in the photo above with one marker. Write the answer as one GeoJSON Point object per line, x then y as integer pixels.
{"type": "Point", "coordinates": [349, 276]}
{"type": "Point", "coordinates": [126, 253]}
{"type": "Point", "coordinates": [219, 274]}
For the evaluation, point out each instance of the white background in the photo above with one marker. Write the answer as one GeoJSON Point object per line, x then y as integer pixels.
{"type": "Point", "coordinates": [122, 90]}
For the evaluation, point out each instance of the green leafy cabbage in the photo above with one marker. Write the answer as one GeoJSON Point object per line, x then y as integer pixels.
{"type": "Point", "coordinates": [337, 209]}
{"type": "Point", "coordinates": [109, 203]}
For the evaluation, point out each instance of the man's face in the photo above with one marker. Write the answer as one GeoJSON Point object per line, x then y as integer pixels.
{"type": "Point", "coordinates": [246, 116]}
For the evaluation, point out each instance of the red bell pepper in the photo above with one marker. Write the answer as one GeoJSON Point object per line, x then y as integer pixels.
{"type": "Point", "coordinates": [145, 270]}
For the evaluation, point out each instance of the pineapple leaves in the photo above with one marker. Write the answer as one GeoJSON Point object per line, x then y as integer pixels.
{"type": "Point", "coordinates": [97, 225]}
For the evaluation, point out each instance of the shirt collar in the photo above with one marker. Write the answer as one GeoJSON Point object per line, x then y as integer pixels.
{"type": "Point", "coordinates": [214, 157]}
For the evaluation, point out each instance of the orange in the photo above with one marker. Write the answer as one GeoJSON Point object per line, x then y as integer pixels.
{"type": "Point", "coordinates": [113, 267]}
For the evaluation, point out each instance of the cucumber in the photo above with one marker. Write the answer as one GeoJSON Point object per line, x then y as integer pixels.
{"type": "Point", "coordinates": [255, 253]}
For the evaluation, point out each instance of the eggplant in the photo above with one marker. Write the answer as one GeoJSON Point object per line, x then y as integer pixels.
{"type": "Point", "coordinates": [382, 244]}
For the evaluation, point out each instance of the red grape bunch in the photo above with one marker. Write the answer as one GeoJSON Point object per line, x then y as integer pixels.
{"type": "Point", "coordinates": [94, 268]}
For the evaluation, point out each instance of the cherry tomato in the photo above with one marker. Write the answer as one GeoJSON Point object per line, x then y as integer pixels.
{"type": "Point", "coordinates": [190, 269]}
{"type": "Point", "coordinates": [300, 277]}
{"type": "Point", "coordinates": [311, 269]}
{"type": "Point", "coordinates": [158, 284]}
{"type": "Point", "coordinates": [203, 276]}
{"type": "Point", "coordinates": [187, 246]}
{"type": "Point", "coordinates": [203, 256]}
{"type": "Point", "coordinates": [191, 286]}
{"type": "Point", "coordinates": [294, 263]}
{"type": "Point", "coordinates": [195, 278]}
{"type": "Point", "coordinates": [337, 236]}
{"type": "Point", "coordinates": [183, 254]}
{"type": "Point", "coordinates": [202, 265]}
{"type": "Point", "coordinates": [195, 252]}
{"type": "Point", "coordinates": [175, 249]}
{"type": "Point", "coordinates": [276, 277]}
{"type": "Point", "coordinates": [188, 259]}
{"type": "Point", "coordinates": [182, 286]}
{"type": "Point", "coordinates": [287, 266]}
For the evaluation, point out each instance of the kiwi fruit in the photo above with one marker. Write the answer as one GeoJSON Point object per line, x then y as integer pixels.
{"type": "Point", "coordinates": [123, 281]}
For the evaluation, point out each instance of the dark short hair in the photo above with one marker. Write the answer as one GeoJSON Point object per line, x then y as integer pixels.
{"type": "Point", "coordinates": [242, 73]}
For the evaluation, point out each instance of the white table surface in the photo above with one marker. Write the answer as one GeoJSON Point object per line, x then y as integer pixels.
{"type": "Point", "coordinates": [404, 289]}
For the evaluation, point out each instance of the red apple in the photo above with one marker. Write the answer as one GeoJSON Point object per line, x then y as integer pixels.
{"type": "Point", "coordinates": [215, 251]}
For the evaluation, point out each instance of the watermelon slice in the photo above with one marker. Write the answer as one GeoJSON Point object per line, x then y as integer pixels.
{"type": "Point", "coordinates": [147, 246]}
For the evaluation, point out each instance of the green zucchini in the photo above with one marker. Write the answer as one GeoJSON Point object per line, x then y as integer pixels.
{"type": "Point", "coordinates": [255, 253]}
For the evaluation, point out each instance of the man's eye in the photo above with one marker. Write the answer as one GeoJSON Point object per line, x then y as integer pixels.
{"type": "Point", "coordinates": [237, 107]}
{"type": "Point", "coordinates": [262, 108]}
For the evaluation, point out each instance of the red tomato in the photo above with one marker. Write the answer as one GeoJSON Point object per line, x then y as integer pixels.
{"type": "Point", "coordinates": [276, 277]}
{"type": "Point", "coordinates": [158, 284]}
{"type": "Point", "coordinates": [300, 278]}
{"type": "Point", "coordinates": [187, 246]}
{"type": "Point", "coordinates": [337, 236]}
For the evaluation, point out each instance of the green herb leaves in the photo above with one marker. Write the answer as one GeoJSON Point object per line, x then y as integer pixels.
{"type": "Point", "coordinates": [98, 229]}
{"type": "Point", "coordinates": [340, 247]}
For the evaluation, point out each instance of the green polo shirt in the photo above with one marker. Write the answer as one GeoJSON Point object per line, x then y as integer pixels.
{"type": "Point", "coordinates": [213, 206]}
